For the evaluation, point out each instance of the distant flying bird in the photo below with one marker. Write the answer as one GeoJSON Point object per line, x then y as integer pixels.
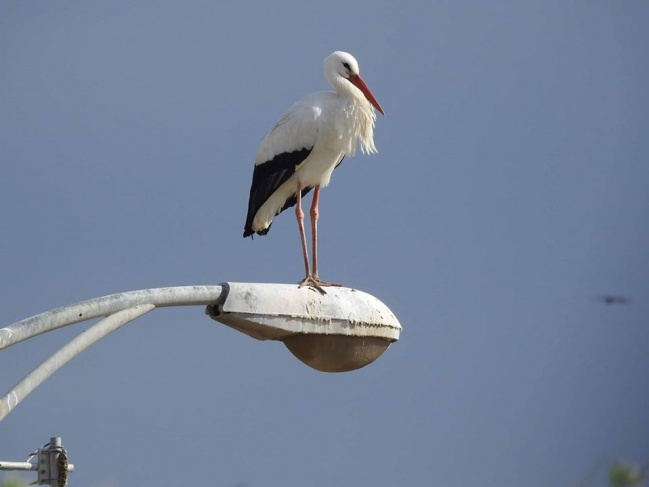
{"type": "Point", "coordinates": [609, 299]}
{"type": "Point", "coordinates": [304, 147]}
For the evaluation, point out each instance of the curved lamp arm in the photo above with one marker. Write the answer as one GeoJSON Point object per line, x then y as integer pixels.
{"type": "Point", "coordinates": [89, 337]}
{"type": "Point", "coordinates": [106, 306]}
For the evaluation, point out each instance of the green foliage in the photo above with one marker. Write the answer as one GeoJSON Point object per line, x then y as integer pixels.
{"type": "Point", "coordinates": [621, 474]}
{"type": "Point", "coordinates": [13, 482]}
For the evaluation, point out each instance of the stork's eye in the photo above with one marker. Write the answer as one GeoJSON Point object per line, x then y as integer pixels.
{"type": "Point", "coordinates": [347, 67]}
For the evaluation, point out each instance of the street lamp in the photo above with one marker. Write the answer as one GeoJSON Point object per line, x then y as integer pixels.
{"type": "Point", "coordinates": [342, 330]}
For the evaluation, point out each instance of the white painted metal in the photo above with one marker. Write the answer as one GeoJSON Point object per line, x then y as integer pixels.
{"type": "Point", "coordinates": [80, 343]}
{"type": "Point", "coordinates": [105, 306]}
{"type": "Point", "coordinates": [277, 311]}
{"type": "Point", "coordinates": [17, 466]}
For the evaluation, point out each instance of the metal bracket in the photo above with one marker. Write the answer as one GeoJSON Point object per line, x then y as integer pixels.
{"type": "Point", "coordinates": [50, 462]}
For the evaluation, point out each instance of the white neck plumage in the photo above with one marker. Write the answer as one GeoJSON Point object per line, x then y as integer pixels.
{"type": "Point", "coordinates": [360, 116]}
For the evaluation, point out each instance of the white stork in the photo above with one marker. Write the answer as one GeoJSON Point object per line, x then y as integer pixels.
{"type": "Point", "coordinates": [304, 147]}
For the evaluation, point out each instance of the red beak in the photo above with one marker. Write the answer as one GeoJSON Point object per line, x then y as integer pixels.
{"type": "Point", "coordinates": [358, 82]}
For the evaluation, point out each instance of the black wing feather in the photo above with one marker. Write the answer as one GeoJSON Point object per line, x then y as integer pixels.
{"type": "Point", "coordinates": [266, 178]}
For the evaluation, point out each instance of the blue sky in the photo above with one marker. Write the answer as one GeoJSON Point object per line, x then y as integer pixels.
{"type": "Point", "coordinates": [509, 191]}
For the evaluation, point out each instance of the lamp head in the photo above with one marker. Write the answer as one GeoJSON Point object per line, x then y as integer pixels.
{"type": "Point", "coordinates": [340, 331]}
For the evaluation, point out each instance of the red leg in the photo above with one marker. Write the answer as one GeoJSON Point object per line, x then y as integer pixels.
{"type": "Point", "coordinates": [299, 214]}
{"type": "Point", "coordinates": [315, 214]}
{"type": "Point", "coordinates": [314, 229]}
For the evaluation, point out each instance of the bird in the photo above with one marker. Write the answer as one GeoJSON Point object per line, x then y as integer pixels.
{"type": "Point", "coordinates": [609, 299]}
{"type": "Point", "coordinates": [303, 148]}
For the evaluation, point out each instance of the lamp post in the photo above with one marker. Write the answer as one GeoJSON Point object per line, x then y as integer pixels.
{"type": "Point", "coordinates": [342, 330]}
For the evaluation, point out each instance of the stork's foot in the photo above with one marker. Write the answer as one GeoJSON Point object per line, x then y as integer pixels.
{"type": "Point", "coordinates": [317, 283]}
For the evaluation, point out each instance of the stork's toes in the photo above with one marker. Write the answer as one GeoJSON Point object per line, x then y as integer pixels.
{"type": "Point", "coordinates": [316, 283]}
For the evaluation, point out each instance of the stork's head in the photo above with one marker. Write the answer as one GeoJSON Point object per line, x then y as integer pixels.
{"type": "Point", "coordinates": [343, 66]}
